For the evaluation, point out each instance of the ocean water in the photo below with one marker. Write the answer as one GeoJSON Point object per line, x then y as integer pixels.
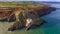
{"type": "Point", "coordinates": [51, 27]}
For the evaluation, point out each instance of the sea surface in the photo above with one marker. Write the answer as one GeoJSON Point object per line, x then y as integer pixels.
{"type": "Point", "coordinates": [51, 27]}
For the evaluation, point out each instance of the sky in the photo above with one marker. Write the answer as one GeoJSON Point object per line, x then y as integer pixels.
{"type": "Point", "coordinates": [32, 0]}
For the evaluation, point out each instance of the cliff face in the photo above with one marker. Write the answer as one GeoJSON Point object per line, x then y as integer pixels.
{"type": "Point", "coordinates": [31, 11]}
{"type": "Point", "coordinates": [39, 9]}
{"type": "Point", "coordinates": [42, 10]}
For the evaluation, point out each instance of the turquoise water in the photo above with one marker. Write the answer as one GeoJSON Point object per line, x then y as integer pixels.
{"type": "Point", "coordinates": [51, 27]}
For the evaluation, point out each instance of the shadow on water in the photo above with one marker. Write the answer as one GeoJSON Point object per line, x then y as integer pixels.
{"type": "Point", "coordinates": [51, 22]}
{"type": "Point", "coordinates": [53, 9]}
{"type": "Point", "coordinates": [52, 19]}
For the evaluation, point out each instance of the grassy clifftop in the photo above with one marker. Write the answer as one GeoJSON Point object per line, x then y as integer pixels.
{"type": "Point", "coordinates": [17, 4]}
{"type": "Point", "coordinates": [13, 4]}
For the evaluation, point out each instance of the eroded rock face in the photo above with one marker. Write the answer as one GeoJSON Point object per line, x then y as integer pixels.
{"type": "Point", "coordinates": [39, 9]}
{"type": "Point", "coordinates": [42, 10]}
{"type": "Point", "coordinates": [4, 12]}
{"type": "Point", "coordinates": [32, 14]}
{"type": "Point", "coordinates": [22, 23]}
{"type": "Point", "coordinates": [32, 11]}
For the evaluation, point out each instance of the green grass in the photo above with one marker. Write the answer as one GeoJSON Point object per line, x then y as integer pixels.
{"type": "Point", "coordinates": [14, 4]}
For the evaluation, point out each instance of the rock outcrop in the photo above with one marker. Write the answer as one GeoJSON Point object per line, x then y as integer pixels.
{"type": "Point", "coordinates": [32, 12]}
